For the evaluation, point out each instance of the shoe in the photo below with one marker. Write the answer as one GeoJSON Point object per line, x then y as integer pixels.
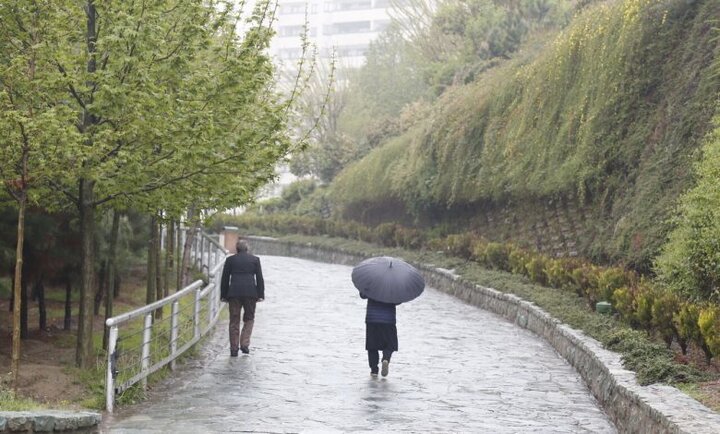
{"type": "Point", "coordinates": [385, 366]}
{"type": "Point", "coordinates": [245, 350]}
{"type": "Point", "coordinates": [373, 374]}
{"type": "Point", "coordinates": [233, 353]}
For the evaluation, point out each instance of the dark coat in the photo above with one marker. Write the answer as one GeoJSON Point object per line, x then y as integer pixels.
{"type": "Point", "coordinates": [379, 312]}
{"type": "Point", "coordinates": [242, 277]}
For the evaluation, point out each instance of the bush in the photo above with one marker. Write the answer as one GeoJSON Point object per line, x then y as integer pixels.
{"type": "Point", "coordinates": [664, 308]}
{"type": "Point", "coordinates": [645, 297]}
{"type": "Point", "coordinates": [536, 269]}
{"type": "Point", "coordinates": [461, 245]}
{"type": "Point", "coordinates": [497, 256]}
{"type": "Point", "coordinates": [687, 324]}
{"type": "Point", "coordinates": [608, 281]}
{"type": "Point", "coordinates": [385, 234]}
{"type": "Point", "coordinates": [559, 273]}
{"type": "Point", "coordinates": [517, 260]}
{"type": "Point", "coordinates": [709, 322]}
{"type": "Point", "coordinates": [623, 301]}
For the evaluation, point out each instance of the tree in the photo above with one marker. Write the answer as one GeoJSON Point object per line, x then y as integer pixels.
{"type": "Point", "coordinates": [152, 105]}
{"type": "Point", "coordinates": [35, 126]}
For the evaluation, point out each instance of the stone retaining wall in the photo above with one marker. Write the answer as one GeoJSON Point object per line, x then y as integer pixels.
{"type": "Point", "coordinates": [49, 421]}
{"type": "Point", "coordinates": [633, 408]}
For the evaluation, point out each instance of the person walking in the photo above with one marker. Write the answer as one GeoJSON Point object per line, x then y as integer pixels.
{"type": "Point", "coordinates": [380, 334]}
{"type": "Point", "coordinates": [242, 286]}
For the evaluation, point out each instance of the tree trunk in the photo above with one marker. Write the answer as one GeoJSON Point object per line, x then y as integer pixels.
{"type": "Point", "coordinates": [151, 291]}
{"type": "Point", "coordinates": [40, 294]}
{"type": "Point", "coordinates": [178, 256]}
{"type": "Point", "coordinates": [158, 260]}
{"type": "Point", "coordinates": [100, 292]}
{"type": "Point", "coordinates": [111, 272]}
{"type": "Point", "coordinates": [17, 290]}
{"type": "Point", "coordinates": [84, 348]}
{"type": "Point", "coordinates": [23, 307]}
{"type": "Point", "coordinates": [169, 255]}
{"type": "Point", "coordinates": [86, 205]}
{"type": "Point", "coordinates": [68, 303]}
{"type": "Point", "coordinates": [158, 266]}
{"type": "Point", "coordinates": [189, 239]}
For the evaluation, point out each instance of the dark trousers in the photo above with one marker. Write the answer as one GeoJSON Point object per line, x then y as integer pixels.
{"type": "Point", "coordinates": [246, 305]}
{"type": "Point", "coordinates": [374, 358]}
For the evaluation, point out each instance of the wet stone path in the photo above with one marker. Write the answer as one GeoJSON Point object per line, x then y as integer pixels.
{"type": "Point", "coordinates": [459, 369]}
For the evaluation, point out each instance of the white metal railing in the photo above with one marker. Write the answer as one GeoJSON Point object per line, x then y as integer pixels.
{"type": "Point", "coordinates": [144, 340]}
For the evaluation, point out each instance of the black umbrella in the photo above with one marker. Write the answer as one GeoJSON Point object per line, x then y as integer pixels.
{"type": "Point", "coordinates": [387, 279]}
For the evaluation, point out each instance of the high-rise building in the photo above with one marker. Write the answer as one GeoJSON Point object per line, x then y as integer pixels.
{"type": "Point", "coordinates": [345, 26]}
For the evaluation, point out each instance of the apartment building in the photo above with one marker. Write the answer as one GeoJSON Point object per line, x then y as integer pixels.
{"type": "Point", "coordinates": [346, 26]}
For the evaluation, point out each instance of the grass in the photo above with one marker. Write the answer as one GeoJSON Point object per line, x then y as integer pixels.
{"type": "Point", "coordinates": [9, 401]}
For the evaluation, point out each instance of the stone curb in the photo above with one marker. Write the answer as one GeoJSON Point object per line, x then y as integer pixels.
{"type": "Point", "coordinates": [48, 421]}
{"type": "Point", "coordinates": [633, 408]}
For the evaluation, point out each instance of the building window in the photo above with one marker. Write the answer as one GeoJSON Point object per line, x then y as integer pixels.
{"type": "Point", "coordinates": [352, 50]}
{"type": "Point", "coordinates": [290, 30]}
{"type": "Point", "coordinates": [290, 53]}
{"type": "Point", "coordinates": [347, 5]}
{"type": "Point", "coordinates": [292, 8]}
{"type": "Point", "coordinates": [380, 25]}
{"type": "Point", "coordinates": [351, 27]}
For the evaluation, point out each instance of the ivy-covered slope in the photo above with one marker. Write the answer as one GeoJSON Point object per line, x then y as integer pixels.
{"type": "Point", "coordinates": [608, 116]}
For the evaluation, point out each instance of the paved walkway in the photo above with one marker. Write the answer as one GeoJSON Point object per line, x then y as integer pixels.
{"type": "Point", "coordinates": [459, 369]}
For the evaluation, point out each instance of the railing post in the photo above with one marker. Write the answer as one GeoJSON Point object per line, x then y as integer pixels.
{"type": "Point", "coordinates": [196, 316]}
{"type": "Point", "coordinates": [110, 375]}
{"type": "Point", "coordinates": [198, 249]}
{"type": "Point", "coordinates": [174, 331]}
{"type": "Point", "coordinates": [211, 299]}
{"type": "Point", "coordinates": [146, 347]}
{"type": "Point", "coordinates": [209, 256]}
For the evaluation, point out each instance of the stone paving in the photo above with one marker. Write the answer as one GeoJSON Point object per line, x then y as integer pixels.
{"type": "Point", "coordinates": [459, 369]}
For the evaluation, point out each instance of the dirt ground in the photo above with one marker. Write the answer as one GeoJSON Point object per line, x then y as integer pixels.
{"type": "Point", "coordinates": [46, 358]}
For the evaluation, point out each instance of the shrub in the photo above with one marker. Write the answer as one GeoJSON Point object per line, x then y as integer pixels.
{"type": "Point", "coordinates": [687, 324]}
{"type": "Point", "coordinates": [609, 280]}
{"type": "Point", "coordinates": [623, 301]}
{"type": "Point", "coordinates": [645, 297]}
{"type": "Point", "coordinates": [536, 269]}
{"type": "Point", "coordinates": [559, 273]}
{"type": "Point", "coordinates": [517, 258]}
{"type": "Point", "coordinates": [385, 234]}
{"type": "Point", "coordinates": [496, 256]}
{"type": "Point", "coordinates": [461, 245]}
{"type": "Point", "coordinates": [709, 322]}
{"type": "Point", "coordinates": [665, 306]}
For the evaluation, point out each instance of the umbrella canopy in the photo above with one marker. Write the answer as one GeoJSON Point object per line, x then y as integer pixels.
{"type": "Point", "coordinates": [388, 279]}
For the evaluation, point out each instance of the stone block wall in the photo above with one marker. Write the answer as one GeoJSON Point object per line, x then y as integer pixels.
{"type": "Point", "coordinates": [633, 408]}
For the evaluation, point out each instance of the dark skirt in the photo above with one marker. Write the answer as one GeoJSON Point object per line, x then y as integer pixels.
{"type": "Point", "coordinates": [381, 337]}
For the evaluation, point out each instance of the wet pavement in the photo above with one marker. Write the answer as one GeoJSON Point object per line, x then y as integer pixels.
{"type": "Point", "coordinates": [459, 369]}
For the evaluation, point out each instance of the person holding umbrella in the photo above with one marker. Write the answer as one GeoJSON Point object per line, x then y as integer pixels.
{"type": "Point", "coordinates": [385, 282]}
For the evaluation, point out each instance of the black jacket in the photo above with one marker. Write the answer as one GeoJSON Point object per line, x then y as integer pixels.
{"type": "Point", "coordinates": [242, 277]}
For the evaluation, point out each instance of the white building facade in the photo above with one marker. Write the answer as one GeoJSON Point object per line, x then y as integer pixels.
{"type": "Point", "coordinates": [345, 26]}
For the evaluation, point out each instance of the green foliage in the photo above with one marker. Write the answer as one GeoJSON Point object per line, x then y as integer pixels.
{"type": "Point", "coordinates": [650, 361]}
{"type": "Point", "coordinates": [610, 111]}
{"type": "Point", "coordinates": [690, 261]}
{"type": "Point", "coordinates": [709, 323]}
{"type": "Point", "coordinates": [665, 307]}
{"type": "Point", "coordinates": [687, 325]}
